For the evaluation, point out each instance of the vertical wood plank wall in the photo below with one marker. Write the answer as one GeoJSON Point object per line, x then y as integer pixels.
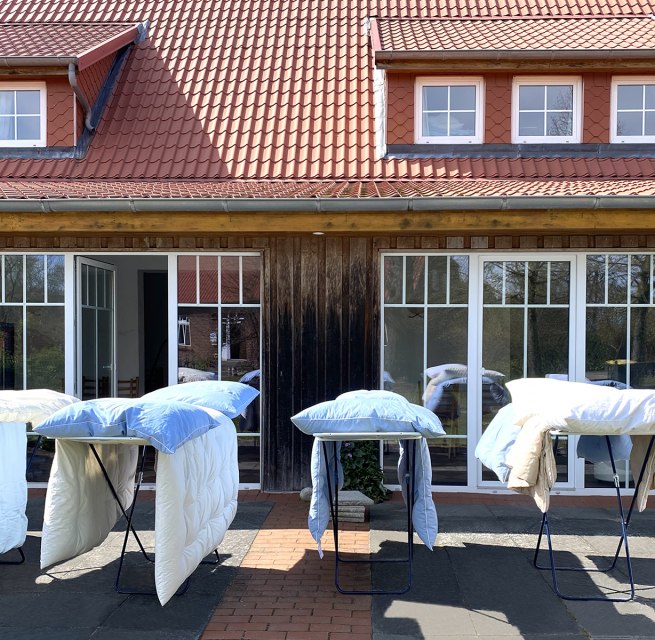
{"type": "Point", "coordinates": [320, 340]}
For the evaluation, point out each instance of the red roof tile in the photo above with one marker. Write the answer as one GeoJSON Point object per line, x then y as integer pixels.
{"type": "Point", "coordinates": [245, 98]}
{"type": "Point", "coordinates": [517, 34]}
{"type": "Point", "coordinates": [57, 41]}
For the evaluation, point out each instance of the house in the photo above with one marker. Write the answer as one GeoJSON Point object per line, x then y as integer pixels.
{"type": "Point", "coordinates": [328, 196]}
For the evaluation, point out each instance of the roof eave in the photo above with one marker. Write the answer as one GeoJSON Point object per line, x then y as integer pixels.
{"type": "Point", "coordinates": [389, 57]}
{"type": "Point", "coordinates": [327, 205]}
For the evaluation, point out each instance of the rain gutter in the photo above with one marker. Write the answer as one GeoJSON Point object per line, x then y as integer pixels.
{"type": "Point", "coordinates": [323, 205]}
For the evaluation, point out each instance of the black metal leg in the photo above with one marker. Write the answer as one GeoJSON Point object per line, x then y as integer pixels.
{"type": "Point", "coordinates": [409, 481]}
{"type": "Point", "coordinates": [22, 557]}
{"type": "Point", "coordinates": [623, 540]}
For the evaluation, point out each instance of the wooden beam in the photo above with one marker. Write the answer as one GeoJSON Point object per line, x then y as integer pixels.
{"type": "Point", "coordinates": [429, 222]}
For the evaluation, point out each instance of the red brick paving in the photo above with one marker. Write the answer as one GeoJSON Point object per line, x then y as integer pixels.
{"type": "Point", "coordinates": [284, 591]}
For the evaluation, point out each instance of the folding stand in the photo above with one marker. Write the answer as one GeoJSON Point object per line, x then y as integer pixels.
{"type": "Point", "coordinates": [623, 540]}
{"type": "Point", "coordinates": [129, 515]}
{"type": "Point", "coordinates": [333, 492]}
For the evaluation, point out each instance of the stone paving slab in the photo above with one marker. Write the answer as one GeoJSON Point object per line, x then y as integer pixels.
{"type": "Point", "coordinates": [76, 600]}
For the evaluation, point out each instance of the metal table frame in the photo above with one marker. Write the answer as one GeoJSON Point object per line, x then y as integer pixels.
{"type": "Point", "coordinates": [624, 521]}
{"type": "Point", "coordinates": [129, 513]}
{"type": "Point", "coordinates": [333, 493]}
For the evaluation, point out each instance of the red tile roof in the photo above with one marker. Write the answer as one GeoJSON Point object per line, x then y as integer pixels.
{"type": "Point", "coordinates": [517, 34]}
{"type": "Point", "coordinates": [228, 97]}
{"type": "Point", "coordinates": [57, 41]}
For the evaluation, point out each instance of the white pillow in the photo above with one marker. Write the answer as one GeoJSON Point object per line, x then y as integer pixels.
{"type": "Point", "coordinates": [32, 405]}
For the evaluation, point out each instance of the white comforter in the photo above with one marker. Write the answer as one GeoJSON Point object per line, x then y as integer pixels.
{"type": "Point", "coordinates": [541, 405]}
{"type": "Point", "coordinates": [13, 486]}
{"type": "Point", "coordinates": [196, 501]}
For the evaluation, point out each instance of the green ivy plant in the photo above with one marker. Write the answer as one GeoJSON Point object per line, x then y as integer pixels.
{"type": "Point", "coordinates": [361, 469]}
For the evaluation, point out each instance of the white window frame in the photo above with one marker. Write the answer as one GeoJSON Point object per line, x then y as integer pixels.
{"type": "Point", "coordinates": [29, 86]}
{"type": "Point", "coordinates": [616, 82]}
{"type": "Point", "coordinates": [574, 81]}
{"type": "Point", "coordinates": [445, 81]}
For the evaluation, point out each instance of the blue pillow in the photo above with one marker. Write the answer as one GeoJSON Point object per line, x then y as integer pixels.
{"type": "Point", "coordinates": [497, 441]}
{"type": "Point", "coordinates": [230, 398]}
{"type": "Point", "coordinates": [373, 411]}
{"type": "Point", "coordinates": [100, 417]}
{"type": "Point", "coordinates": [168, 425]}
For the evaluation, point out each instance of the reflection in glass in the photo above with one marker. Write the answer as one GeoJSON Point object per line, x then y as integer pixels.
{"type": "Point", "coordinates": [11, 341]}
{"type": "Point", "coordinates": [547, 341]}
{"type": "Point", "coordinates": [186, 280]}
{"type": "Point", "coordinates": [617, 279]}
{"type": "Point", "coordinates": [642, 347]}
{"type": "Point", "coordinates": [28, 128]}
{"type": "Point", "coordinates": [35, 278]}
{"type": "Point", "coordinates": [252, 267]}
{"type": "Point", "coordinates": [13, 278]}
{"type": "Point", "coordinates": [415, 280]}
{"type": "Point", "coordinates": [393, 279]}
{"type": "Point", "coordinates": [45, 356]}
{"type": "Point", "coordinates": [640, 279]}
{"type": "Point", "coordinates": [493, 283]}
{"type": "Point", "coordinates": [208, 279]}
{"type": "Point", "coordinates": [197, 344]}
{"type": "Point", "coordinates": [630, 96]}
{"type": "Point", "coordinates": [595, 279]}
{"type": "Point", "coordinates": [515, 277]}
{"type": "Point", "coordinates": [56, 282]}
{"type": "Point", "coordinates": [230, 283]}
{"type": "Point", "coordinates": [605, 355]}
{"type": "Point", "coordinates": [531, 98]}
{"type": "Point", "coordinates": [459, 279]}
{"type": "Point", "coordinates": [249, 460]}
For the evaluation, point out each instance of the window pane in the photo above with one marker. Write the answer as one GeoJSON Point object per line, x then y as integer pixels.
{"type": "Point", "coordinates": [28, 128]}
{"type": "Point", "coordinates": [28, 102]}
{"type": "Point", "coordinates": [462, 124]}
{"type": "Point", "coordinates": [415, 285]}
{"type": "Point", "coordinates": [13, 278]}
{"type": "Point", "coordinates": [595, 279]}
{"type": "Point", "coordinates": [393, 279]}
{"type": "Point", "coordinates": [559, 282]}
{"type": "Point", "coordinates": [462, 97]}
{"type": "Point", "coordinates": [531, 124]}
{"type": "Point", "coordinates": [629, 96]}
{"type": "Point", "coordinates": [459, 280]}
{"type": "Point", "coordinates": [514, 282]}
{"type": "Point", "coordinates": [34, 278]}
{"type": "Point", "coordinates": [649, 90]}
{"type": "Point", "coordinates": [403, 351]}
{"type": "Point", "coordinates": [503, 340]}
{"type": "Point", "coordinates": [447, 336]}
{"type": "Point", "coordinates": [628, 123]}
{"type": "Point", "coordinates": [559, 123]}
{"type": "Point", "coordinates": [617, 279]}
{"type": "Point", "coordinates": [249, 458]}
{"type": "Point", "coordinates": [6, 102]}
{"type": "Point", "coordinates": [186, 279]}
{"type": "Point", "coordinates": [493, 283]}
{"type": "Point", "coordinates": [435, 124]}
{"type": "Point", "coordinates": [435, 98]}
{"type": "Point", "coordinates": [7, 130]}
{"type": "Point", "coordinates": [606, 343]}
{"type": "Point", "coordinates": [252, 266]}
{"type": "Point", "coordinates": [437, 279]}
{"type": "Point", "coordinates": [642, 348]}
{"type": "Point", "coordinates": [198, 356]}
{"type": "Point", "coordinates": [230, 279]}
{"type": "Point", "coordinates": [547, 341]}
{"type": "Point", "coordinates": [649, 124]}
{"type": "Point", "coordinates": [208, 266]}
{"type": "Point", "coordinates": [55, 278]}
{"type": "Point", "coordinates": [559, 97]}
{"type": "Point", "coordinates": [537, 282]}
{"type": "Point", "coordinates": [11, 348]}
{"type": "Point", "coordinates": [531, 98]}
{"type": "Point", "coordinates": [45, 356]}
{"type": "Point", "coordinates": [240, 348]}
{"type": "Point", "coordinates": [640, 279]}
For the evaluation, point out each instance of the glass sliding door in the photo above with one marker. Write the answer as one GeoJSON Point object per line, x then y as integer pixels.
{"type": "Point", "coordinates": [219, 335]}
{"type": "Point", "coordinates": [526, 331]}
{"type": "Point", "coordinates": [620, 336]}
{"type": "Point", "coordinates": [96, 318]}
{"type": "Point", "coordinates": [425, 346]}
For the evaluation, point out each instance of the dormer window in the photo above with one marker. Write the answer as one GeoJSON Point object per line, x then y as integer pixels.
{"type": "Point", "coordinates": [448, 110]}
{"type": "Point", "coordinates": [633, 110]}
{"type": "Point", "coordinates": [22, 115]}
{"type": "Point", "coordinates": [546, 110]}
